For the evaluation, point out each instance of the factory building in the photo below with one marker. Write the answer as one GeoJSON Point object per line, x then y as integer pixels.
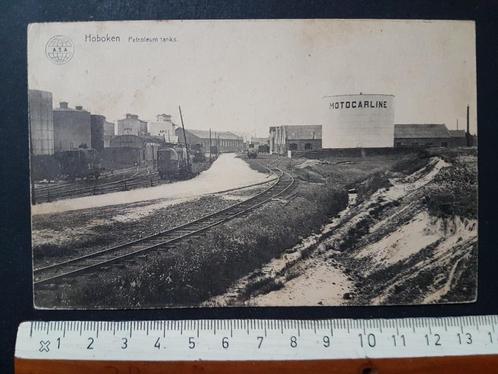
{"type": "Point", "coordinates": [458, 138]}
{"type": "Point", "coordinates": [295, 138]}
{"type": "Point", "coordinates": [72, 128]}
{"type": "Point", "coordinates": [108, 133]}
{"type": "Point", "coordinates": [41, 122]}
{"type": "Point", "coordinates": [164, 127]}
{"type": "Point", "coordinates": [359, 121]}
{"type": "Point", "coordinates": [430, 135]}
{"type": "Point", "coordinates": [97, 122]}
{"type": "Point", "coordinates": [421, 135]}
{"type": "Point", "coordinates": [132, 125]}
{"type": "Point", "coordinates": [225, 141]}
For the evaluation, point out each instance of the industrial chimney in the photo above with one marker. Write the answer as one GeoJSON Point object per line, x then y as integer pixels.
{"type": "Point", "coordinates": [469, 139]}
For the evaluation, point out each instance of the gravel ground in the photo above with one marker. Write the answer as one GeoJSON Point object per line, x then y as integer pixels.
{"type": "Point", "coordinates": [59, 236]}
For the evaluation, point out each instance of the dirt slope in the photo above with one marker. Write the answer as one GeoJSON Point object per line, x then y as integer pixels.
{"type": "Point", "coordinates": [409, 236]}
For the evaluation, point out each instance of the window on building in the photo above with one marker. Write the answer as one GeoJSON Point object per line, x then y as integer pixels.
{"type": "Point", "coordinates": [444, 144]}
{"type": "Point", "coordinates": [293, 146]}
{"type": "Point", "coordinates": [308, 146]}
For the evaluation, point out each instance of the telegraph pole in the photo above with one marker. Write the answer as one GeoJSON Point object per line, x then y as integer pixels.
{"type": "Point", "coordinates": [209, 144]}
{"type": "Point", "coordinates": [468, 128]}
{"type": "Point", "coordinates": [184, 136]}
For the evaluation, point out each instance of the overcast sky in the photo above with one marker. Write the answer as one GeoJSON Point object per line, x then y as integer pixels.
{"type": "Point", "coordinates": [244, 76]}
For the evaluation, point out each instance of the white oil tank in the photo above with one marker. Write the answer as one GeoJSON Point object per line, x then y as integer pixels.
{"type": "Point", "coordinates": [353, 121]}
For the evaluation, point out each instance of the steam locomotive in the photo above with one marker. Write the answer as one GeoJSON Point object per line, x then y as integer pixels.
{"type": "Point", "coordinates": [252, 151]}
{"type": "Point", "coordinates": [173, 162]}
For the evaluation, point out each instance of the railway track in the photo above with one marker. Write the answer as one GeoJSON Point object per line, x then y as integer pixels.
{"type": "Point", "coordinates": [140, 178]}
{"type": "Point", "coordinates": [52, 274]}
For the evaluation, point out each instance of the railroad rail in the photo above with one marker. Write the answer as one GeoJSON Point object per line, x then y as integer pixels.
{"type": "Point", "coordinates": [163, 240]}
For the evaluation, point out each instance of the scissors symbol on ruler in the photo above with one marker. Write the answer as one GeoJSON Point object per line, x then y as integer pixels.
{"type": "Point", "coordinates": [44, 346]}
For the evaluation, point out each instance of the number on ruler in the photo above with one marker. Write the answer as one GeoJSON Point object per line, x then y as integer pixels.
{"type": "Point", "coordinates": [326, 341]}
{"type": "Point", "coordinates": [90, 343]}
{"type": "Point", "coordinates": [191, 342]}
{"type": "Point", "coordinates": [260, 341]}
{"type": "Point", "coordinates": [224, 343]}
{"type": "Point", "coordinates": [402, 340]}
{"type": "Point", "coordinates": [293, 341]}
{"type": "Point", "coordinates": [125, 343]}
{"type": "Point", "coordinates": [371, 340]}
{"type": "Point", "coordinates": [467, 338]}
{"type": "Point", "coordinates": [436, 341]}
{"type": "Point", "coordinates": [157, 344]}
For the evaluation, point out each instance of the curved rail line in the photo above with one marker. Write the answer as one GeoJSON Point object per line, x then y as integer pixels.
{"type": "Point", "coordinates": [164, 239]}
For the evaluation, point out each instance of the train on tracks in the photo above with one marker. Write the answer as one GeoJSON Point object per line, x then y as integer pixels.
{"type": "Point", "coordinates": [79, 163]}
{"type": "Point", "coordinates": [173, 162]}
{"type": "Point", "coordinates": [252, 151]}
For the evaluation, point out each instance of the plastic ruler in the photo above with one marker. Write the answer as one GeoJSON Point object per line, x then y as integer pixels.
{"type": "Point", "coordinates": [257, 345]}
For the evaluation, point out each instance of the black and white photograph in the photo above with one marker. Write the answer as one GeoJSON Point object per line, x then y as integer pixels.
{"type": "Point", "coordinates": [228, 163]}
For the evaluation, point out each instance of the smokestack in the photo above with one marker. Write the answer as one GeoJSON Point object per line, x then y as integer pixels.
{"type": "Point", "coordinates": [468, 128]}
{"type": "Point", "coordinates": [63, 105]}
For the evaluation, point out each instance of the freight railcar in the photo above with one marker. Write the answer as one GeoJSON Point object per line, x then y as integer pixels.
{"type": "Point", "coordinates": [252, 151]}
{"type": "Point", "coordinates": [79, 163]}
{"type": "Point", "coordinates": [173, 163]}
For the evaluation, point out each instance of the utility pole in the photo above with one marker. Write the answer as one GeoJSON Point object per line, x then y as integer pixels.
{"type": "Point", "coordinates": [184, 137]}
{"type": "Point", "coordinates": [209, 144]}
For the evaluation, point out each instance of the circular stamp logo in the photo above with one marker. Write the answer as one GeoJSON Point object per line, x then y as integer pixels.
{"type": "Point", "coordinates": [59, 49]}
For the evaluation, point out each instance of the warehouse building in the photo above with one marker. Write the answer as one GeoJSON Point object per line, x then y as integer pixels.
{"type": "Point", "coordinates": [164, 127]}
{"type": "Point", "coordinates": [132, 125]}
{"type": "Point", "coordinates": [421, 135]}
{"type": "Point", "coordinates": [226, 141]}
{"type": "Point", "coordinates": [359, 121]}
{"type": "Point", "coordinates": [72, 128]}
{"type": "Point", "coordinates": [41, 122]}
{"type": "Point", "coordinates": [295, 138]}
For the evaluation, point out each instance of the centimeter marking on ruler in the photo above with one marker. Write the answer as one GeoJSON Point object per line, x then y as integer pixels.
{"type": "Point", "coordinates": [190, 340]}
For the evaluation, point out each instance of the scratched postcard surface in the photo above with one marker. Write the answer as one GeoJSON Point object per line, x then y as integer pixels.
{"type": "Point", "coordinates": [253, 163]}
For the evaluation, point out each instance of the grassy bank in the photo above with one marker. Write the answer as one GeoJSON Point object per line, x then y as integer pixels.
{"type": "Point", "coordinates": [198, 269]}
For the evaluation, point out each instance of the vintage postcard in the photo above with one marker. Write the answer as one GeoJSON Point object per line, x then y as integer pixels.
{"type": "Point", "coordinates": [253, 163]}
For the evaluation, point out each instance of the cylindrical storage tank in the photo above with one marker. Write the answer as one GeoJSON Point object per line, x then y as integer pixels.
{"type": "Point", "coordinates": [359, 121]}
{"type": "Point", "coordinates": [41, 122]}
{"type": "Point", "coordinates": [97, 122]}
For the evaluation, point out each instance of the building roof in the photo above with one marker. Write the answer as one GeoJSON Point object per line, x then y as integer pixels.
{"type": "Point", "coordinates": [457, 133]}
{"type": "Point", "coordinates": [414, 131]}
{"type": "Point", "coordinates": [259, 140]}
{"type": "Point", "coordinates": [129, 138]}
{"type": "Point", "coordinates": [297, 132]}
{"type": "Point", "coordinates": [204, 134]}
